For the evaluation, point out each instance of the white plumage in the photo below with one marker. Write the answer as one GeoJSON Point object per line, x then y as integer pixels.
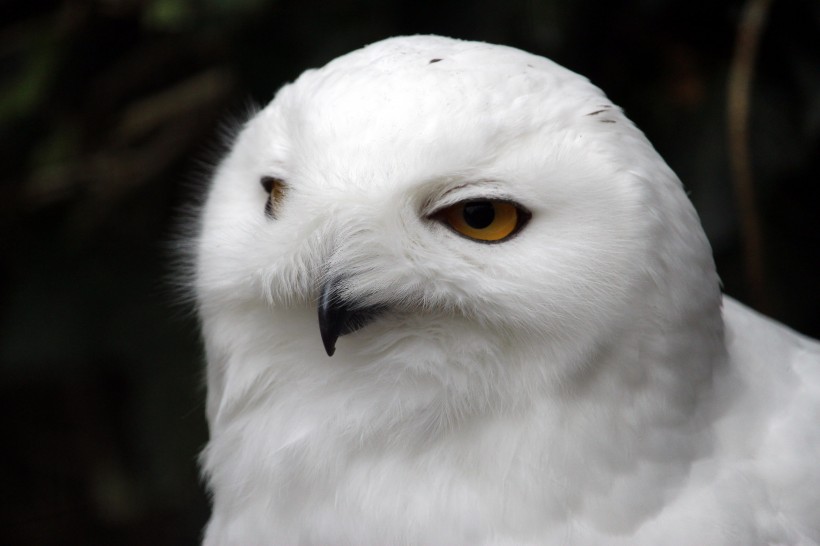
{"type": "Point", "coordinates": [576, 382]}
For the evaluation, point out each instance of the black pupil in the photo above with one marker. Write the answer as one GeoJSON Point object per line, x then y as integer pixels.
{"type": "Point", "coordinates": [479, 214]}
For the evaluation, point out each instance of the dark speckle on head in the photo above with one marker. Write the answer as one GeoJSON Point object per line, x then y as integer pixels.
{"type": "Point", "coordinates": [607, 120]}
{"type": "Point", "coordinates": [434, 61]}
{"type": "Point", "coordinates": [596, 112]}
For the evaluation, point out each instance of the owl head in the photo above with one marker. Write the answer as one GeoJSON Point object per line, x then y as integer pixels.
{"type": "Point", "coordinates": [438, 212]}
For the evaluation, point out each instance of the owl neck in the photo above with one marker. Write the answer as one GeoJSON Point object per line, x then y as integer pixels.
{"type": "Point", "coordinates": [653, 374]}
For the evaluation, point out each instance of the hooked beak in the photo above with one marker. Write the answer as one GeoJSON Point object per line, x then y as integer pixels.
{"type": "Point", "coordinates": [338, 317]}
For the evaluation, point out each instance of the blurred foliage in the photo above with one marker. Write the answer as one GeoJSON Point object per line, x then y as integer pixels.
{"type": "Point", "coordinates": [110, 113]}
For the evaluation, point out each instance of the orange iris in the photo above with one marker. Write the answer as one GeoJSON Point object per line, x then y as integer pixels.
{"type": "Point", "coordinates": [483, 220]}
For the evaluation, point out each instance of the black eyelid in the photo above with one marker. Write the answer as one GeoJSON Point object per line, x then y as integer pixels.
{"type": "Point", "coordinates": [268, 182]}
{"type": "Point", "coordinates": [521, 208]}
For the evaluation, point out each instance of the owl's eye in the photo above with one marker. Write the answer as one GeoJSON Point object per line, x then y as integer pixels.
{"type": "Point", "coordinates": [276, 190]}
{"type": "Point", "coordinates": [485, 220]}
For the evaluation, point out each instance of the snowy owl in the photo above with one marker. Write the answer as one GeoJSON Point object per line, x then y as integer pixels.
{"type": "Point", "coordinates": [451, 295]}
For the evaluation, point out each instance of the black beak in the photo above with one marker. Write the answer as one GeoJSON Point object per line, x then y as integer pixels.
{"type": "Point", "coordinates": [338, 317]}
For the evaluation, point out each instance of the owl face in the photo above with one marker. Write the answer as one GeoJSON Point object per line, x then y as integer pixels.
{"type": "Point", "coordinates": [440, 200]}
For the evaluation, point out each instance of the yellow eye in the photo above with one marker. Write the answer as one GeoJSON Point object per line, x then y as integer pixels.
{"type": "Point", "coordinates": [484, 220]}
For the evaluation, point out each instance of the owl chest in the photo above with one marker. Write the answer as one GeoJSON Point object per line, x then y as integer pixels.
{"type": "Point", "coordinates": [380, 495]}
{"type": "Point", "coordinates": [321, 480]}
{"type": "Point", "coordinates": [322, 483]}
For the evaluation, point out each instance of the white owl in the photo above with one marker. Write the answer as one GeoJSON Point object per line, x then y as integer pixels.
{"type": "Point", "coordinates": [530, 342]}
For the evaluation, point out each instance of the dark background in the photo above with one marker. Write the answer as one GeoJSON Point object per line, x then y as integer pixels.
{"type": "Point", "coordinates": [110, 112]}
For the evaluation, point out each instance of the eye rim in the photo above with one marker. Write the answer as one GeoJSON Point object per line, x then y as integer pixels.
{"type": "Point", "coordinates": [523, 216]}
{"type": "Point", "coordinates": [276, 188]}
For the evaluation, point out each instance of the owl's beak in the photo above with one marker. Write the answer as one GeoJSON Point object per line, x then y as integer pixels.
{"type": "Point", "coordinates": [338, 317]}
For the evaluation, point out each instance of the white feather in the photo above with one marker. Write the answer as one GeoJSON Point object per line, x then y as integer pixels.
{"type": "Point", "coordinates": [576, 384]}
